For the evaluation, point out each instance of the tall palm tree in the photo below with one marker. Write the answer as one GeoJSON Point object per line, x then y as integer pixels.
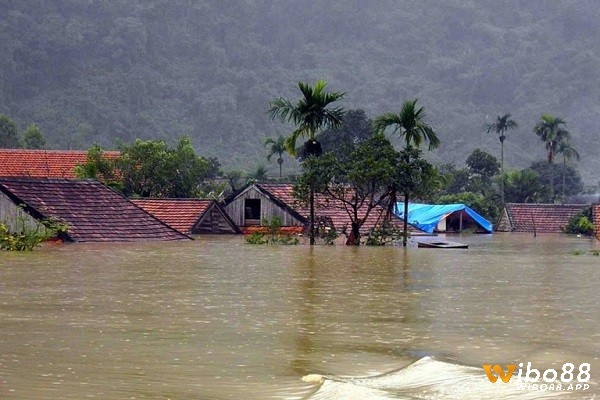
{"type": "Point", "coordinates": [310, 114]}
{"type": "Point", "coordinates": [277, 147]}
{"type": "Point", "coordinates": [552, 132]}
{"type": "Point", "coordinates": [409, 124]}
{"type": "Point", "coordinates": [568, 152]}
{"type": "Point", "coordinates": [502, 124]}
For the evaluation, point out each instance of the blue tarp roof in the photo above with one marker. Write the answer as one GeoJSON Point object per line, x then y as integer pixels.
{"type": "Point", "coordinates": [427, 216]}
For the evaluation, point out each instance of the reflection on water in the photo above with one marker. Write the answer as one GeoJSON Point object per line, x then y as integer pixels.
{"type": "Point", "coordinates": [218, 319]}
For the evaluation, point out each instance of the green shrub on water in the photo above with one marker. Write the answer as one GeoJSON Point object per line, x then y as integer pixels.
{"type": "Point", "coordinates": [27, 238]}
{"type": "Point", "coordinates": [581, 223]}
{"type": "Point", "coordinates": [576, 252]}
{"type": "Point", "coordinates": [274, 235]}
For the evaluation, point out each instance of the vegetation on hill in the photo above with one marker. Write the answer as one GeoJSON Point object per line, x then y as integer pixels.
{"type": "Point", "coordinates": [101, 71]}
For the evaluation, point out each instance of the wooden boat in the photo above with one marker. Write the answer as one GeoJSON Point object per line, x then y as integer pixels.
{"type": "Point", "coordinates": [442, 244]}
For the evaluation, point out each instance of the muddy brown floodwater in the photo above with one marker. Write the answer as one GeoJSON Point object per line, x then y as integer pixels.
{"type": "Point", "coordinates": [219, 319]}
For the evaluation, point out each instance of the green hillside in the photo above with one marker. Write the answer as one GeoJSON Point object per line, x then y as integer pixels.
{"type": "Point", "coordinates": [99, 70]}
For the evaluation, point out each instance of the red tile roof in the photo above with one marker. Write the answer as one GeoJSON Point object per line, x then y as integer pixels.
{"type": "Point", "coordinates": [328, 207]}
{"type": "Point", "coordinates": [184, 214]}
{"type": "Point", "coordinates": [92, 211]}
{"type": "Point", "coordinates": [596, 218]}
{"type": "Point", "coordinates": [43, 163]}
{"type": "Point", "coordinates": [541, 218]}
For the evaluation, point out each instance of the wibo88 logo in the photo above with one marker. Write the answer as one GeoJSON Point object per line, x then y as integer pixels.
{"type": "Point", "coordinates": [568, 379]}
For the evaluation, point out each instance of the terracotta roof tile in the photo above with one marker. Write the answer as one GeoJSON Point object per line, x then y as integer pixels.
{"type": "Point", "coordinates": [542, 218]}
{"type": "Point", "coordinates": [596, 218]}
{"type": "Point", "coordinates": [181, 214]}
{"type": "Point", "coordinates": [92, 211]}
{"type": "Point", "coordinates": [43, 163]}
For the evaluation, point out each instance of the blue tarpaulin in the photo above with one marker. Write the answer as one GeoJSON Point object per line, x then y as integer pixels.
{"type": "Point", "coordinates": [427, 216]}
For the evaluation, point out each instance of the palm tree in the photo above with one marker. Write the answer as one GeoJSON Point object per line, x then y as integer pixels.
{"type": "Point", "coordinates": [277, 147]}
{"type": "Point", "coordinates": [503, 123]}
{"type": "Point", "coordinates": [568, 152]}
{"type": "Point", "coordinates": [310, 114]}
{"type": "Point", "coordinates": [411, 125]}
{"type": "Point", "coordinates": [552, 132]}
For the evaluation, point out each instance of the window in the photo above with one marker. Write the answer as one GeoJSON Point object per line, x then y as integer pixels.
{"type": "Point", "coordinates": [252, 210]}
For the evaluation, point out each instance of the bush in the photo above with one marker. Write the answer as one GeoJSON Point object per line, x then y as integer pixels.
{"type": "Point", "coordinates": [274, 235]}
{"type": "Point", "coordinates": [581, 223]}
{"type": "Point", "coordinates": [27, 238]}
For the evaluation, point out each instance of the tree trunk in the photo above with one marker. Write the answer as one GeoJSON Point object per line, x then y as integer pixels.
{"type": "Point", "coordinates": [405, 228]}
{"type": "Point", "coordinates": [502, 168]}
{"type": "Point", "coordinates": [311, 226]}
{"type": "Point", "coordinates": [354, 237]}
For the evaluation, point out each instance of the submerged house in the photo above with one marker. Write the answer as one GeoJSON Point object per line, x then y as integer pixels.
{"type": "Point", "coordinates": [596, 218]}
{"type": "Point", "coordinates": [538, 218]}
{"type": "Point", "coordinates": [444, 217]}
{"type": "Point", "coordinates": [91, 211]}
{"type": "Point", "coordinates": [44, 163]}
{"type": "Point", "coordinates": [190, 216]}
{"type": "Point", "coordinates": [257, 202]}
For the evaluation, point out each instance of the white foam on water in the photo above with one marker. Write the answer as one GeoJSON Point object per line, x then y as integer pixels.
{"type": "Point", "coordinates": [428, 379]}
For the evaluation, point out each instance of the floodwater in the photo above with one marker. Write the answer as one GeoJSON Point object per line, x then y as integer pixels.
{"type": "Point", "coordinates": [220, 319]}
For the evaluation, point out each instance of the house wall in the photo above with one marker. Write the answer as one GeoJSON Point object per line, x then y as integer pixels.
{"type": "Point", "coordinates": [14, 217]}
{"type": "Point", "coordinates": [213, 223]}
{"type": "Point", "coordinates": [268, 209]}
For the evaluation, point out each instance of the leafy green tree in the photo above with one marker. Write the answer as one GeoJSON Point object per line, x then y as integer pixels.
{"type": "Point", "coordinates": [502, 124]}
{"type": "Point", "coordinates": [310, 114]}
{"type": "Point", "coordinates": [455, 180]}
{"type": "Point", "coordinates": [524, 186]}
{"type": "Point", "coordinates": [33, 138]}
{"type": "Point", "coordinates": [149, 168]}
{"type": "Point", "coordinates": [359, 181]}
{"type": "Point", "coordinates": [550, 175]}
{"type": "Point", "coordinates": [9, 138]}
{"type": "Point", "coordinates": [551, 130]}
{"type": "Point", "coordinates": [99, 168]}
{"type": "Point", "coordinates": [568, 152]}
{"type": "Point", "coordinates": [356, 127]}
{"type": "Point", "coordinates": [409, 124]}
{"type": "Point", "coordinates": [277, 147]}
{"type": "Point", "coordinates": [482, 167]}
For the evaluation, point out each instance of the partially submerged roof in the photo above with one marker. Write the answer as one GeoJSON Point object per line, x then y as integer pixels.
{"type": "Point", "coordinates": [92, 211]}
{"type": "Point", "coordinates": [326, 208]}
{"type": "Point", "coordinates": [190, 216]}
{"type": "Point", "coordinates": [427, 216]}
{"type": "Point", "coordinates": [542, 218]}
{"type": "Point", "coordinates": [44, 163]}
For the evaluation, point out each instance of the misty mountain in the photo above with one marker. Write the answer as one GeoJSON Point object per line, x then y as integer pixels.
{"type": "Point", "coordinates": [103, 70]}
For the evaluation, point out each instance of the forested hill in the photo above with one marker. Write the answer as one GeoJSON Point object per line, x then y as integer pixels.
{"type": "Point", "coordinates": [97, 70]}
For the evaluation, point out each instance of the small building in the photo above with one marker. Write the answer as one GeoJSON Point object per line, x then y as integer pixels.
{"type": "Point", "coordinates": [44, 163]}
{"type": "Point", "coordinates": [444, 217]}
{"type": "Point", "coordinates": [190, 216]}
{"type": "Point", "coordinates": [91, 211]}
{"type": "Point", "coordinates": [537, 218]}
{"type": "Point", "coordinates": [257, 202]}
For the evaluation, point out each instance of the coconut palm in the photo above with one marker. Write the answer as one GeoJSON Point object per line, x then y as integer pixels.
{"type": "Point", "coordinates": [551, 131]}
{"type": "Point", "coordinates": [568, 152]}
{"type": "Point", "coordinates": [410, 125]}
{"type": "Point", "coordinates": [310, 114]}
{"type": "Point", "coordinates": [502, 124]}
{"type": "Point", "coordinates": [277, 147]}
